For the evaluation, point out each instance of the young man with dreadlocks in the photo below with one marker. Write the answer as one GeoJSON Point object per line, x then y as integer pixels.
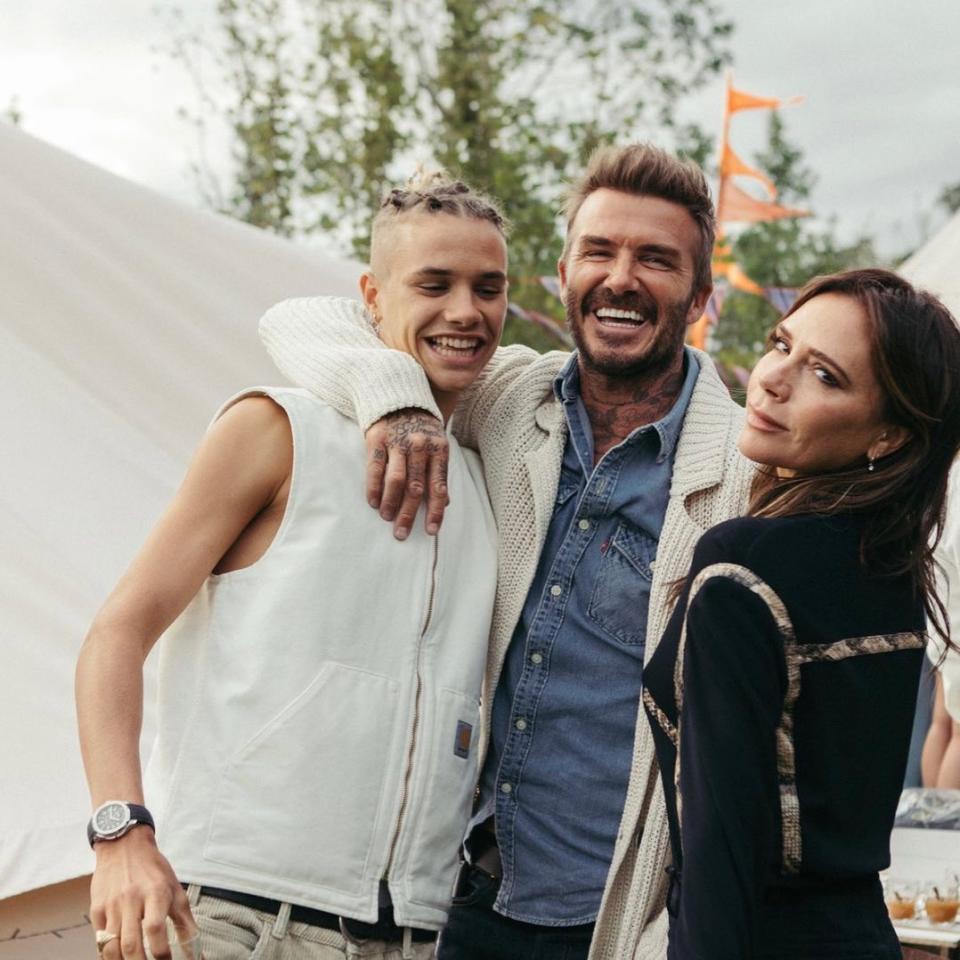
{"type": "Point", "coordinates": [319, 685]}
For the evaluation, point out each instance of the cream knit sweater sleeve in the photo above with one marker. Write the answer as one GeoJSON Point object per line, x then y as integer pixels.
{"type": "Point", "coordinates": [329, 346]}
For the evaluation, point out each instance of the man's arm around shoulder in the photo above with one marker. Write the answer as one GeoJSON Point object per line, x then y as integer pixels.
{"type": "Point", "coordinates": [329, 346]}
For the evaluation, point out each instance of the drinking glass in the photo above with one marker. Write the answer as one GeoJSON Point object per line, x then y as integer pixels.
{"type": "Point", "coordinates": [940, 899]}
{"type": "Point", "coordinates": [901, 898]}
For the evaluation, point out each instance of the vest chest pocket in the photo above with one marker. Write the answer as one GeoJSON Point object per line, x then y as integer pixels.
{"type": "Point", "coordinates": [621, 592]}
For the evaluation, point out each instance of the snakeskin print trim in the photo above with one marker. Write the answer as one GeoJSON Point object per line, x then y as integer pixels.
{"type": "Point", "coordinates": [786, 767]}
{"type": "Point", "coordinates": [795, 656]}
{"type": "Point", "coordinates": [859, 646]}
{"type": "Point", "coordinates": [662, 720]}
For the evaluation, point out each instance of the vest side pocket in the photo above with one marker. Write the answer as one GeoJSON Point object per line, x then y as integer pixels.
{"type": "Point", "coordinates": [314, 774]}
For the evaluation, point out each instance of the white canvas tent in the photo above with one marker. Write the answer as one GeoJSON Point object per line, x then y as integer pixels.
{"type": "Point", "coordinates": [936, 265]}
{"type": "Point", "coordinates": [125, 319]}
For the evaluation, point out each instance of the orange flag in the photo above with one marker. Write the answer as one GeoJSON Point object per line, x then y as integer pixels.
{"type": "Point", "coordinates": [736, 205]}
{"type": "Point", "coordinates": [736, 277]}
{"type": "Point", "coordinates": [732, 166]}
{"type": "Point", "coordinates": [738, 100]}
{"type": "Point", "coordinates": [697, 334]}
{"type": "Point", "coordinates": [724, 265]}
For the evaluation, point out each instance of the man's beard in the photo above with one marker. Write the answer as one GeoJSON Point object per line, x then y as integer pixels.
{"type": "Point", "coordinates": [670, 323]}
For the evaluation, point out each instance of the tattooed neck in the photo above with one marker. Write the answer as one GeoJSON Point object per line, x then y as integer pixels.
{"type": "Point", "coordinates": [617, 407]}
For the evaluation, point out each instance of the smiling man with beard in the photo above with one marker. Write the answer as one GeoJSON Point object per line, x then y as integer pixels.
{"type": "Point", "coordinates": [604, 467]}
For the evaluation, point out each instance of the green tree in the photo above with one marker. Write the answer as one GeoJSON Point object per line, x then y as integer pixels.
{"type": "Point", "coordinates": [780, 253]}
{"type": "Point", "coordinates": [330, 101]}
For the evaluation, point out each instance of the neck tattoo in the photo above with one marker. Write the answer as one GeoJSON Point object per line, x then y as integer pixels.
{"type": "Point", "coordinates": [616, 407]}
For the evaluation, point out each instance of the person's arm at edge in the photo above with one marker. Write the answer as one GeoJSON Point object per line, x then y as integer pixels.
{"type": "Point", "coordinates": [238, 469]}
{"type": "Point", "coordinates": [937, 739]}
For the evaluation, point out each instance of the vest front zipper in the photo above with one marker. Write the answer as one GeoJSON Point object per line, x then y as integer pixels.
{"type": "Point", "coordinates": [416, 716]}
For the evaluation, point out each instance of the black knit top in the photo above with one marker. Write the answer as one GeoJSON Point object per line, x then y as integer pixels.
{"type": "Point", "coordinates": [781, 698]}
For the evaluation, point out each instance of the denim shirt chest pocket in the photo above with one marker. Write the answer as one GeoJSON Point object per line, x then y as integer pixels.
{"type": "Point", "coordinates": [621, 592]}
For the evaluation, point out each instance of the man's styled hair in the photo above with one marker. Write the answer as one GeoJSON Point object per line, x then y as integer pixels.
{"type": "Point", "coordinates": [647, 171]}
{"type": "Point", "coordinates": [432, 193]}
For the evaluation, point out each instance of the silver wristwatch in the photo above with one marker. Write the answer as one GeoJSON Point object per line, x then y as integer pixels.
{"type": "Point", "coordinates": [111, 820]}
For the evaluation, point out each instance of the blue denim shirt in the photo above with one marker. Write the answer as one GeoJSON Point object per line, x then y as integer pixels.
{"type": "Point", "coordinates": [565, 708]}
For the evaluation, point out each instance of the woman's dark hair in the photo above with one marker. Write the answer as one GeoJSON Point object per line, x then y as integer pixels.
{"type": "Point", "coordinates": [915, 352]}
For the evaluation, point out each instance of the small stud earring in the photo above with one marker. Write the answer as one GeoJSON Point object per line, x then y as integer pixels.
{"type": "Point", "coordinates": [870, 465]}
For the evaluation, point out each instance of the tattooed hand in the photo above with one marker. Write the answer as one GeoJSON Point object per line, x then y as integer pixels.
{"type": "Point", "coordinates": [407, 457]}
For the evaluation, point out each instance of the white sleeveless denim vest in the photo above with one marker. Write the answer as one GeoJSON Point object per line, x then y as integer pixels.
{"type": "Point", "coordinates": [318, 710]}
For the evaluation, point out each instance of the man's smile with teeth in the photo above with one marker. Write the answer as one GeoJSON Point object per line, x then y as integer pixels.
{"type": "Point", "coordinates": [459, 344]}
{"type": "Point", "coordinates": [612, 313]}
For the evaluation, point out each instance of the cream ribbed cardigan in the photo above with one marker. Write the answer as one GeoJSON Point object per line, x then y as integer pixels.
{"type": "Point", "coordinates": [511, 416]}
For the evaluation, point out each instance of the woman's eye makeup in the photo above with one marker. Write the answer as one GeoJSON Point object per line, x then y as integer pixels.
{"type": "Point", "coordinates": [826, 377]}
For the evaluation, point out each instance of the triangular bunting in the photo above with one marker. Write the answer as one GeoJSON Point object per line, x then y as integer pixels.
{"type": "Point", "coordinates": [732, 166]}
{"type": "Point", "coordinates": [736, 205]}
{"type": "Point", "coordinates": [782, 298]}
{"type": "Point", "coordinates": [739, 100]}
{"type": "Point", "coordinates": [552, 286]}
{"type": "Point", "coordinates": [697, 333]}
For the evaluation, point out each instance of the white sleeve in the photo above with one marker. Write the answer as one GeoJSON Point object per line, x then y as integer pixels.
{"type": "Point", "coordinates": [329, 346]}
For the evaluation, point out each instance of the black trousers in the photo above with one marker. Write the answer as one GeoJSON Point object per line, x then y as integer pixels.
{"type": "Point", "coordinates": [476, 932]}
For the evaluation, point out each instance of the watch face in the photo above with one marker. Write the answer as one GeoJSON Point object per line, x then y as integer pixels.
{"type": "Point", "coordinates": [111, 817]}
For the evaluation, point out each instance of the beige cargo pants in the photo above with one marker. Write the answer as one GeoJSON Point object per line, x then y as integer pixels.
{"type": "Point", "coordinates": [230, 931]}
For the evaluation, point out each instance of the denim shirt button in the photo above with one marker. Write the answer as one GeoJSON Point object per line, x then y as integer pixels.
{"type": "Point", "coordinates": [506, 787]}
{"type": "Point", "coordinates": [521, 724]}
{"type": "Point", "coordinates": [584, 524]}
{"type": "Point", "coordinates": [536, 658]}
{"type": "Point", "coordinates": [556, 590]}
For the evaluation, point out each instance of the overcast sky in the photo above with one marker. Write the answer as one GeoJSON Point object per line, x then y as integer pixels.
{"type": "Point", "coordinates": [880, 125]}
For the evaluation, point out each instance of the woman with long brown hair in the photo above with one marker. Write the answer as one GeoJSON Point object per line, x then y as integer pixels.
{"type": "Point", "coordinates": [782, 693]}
